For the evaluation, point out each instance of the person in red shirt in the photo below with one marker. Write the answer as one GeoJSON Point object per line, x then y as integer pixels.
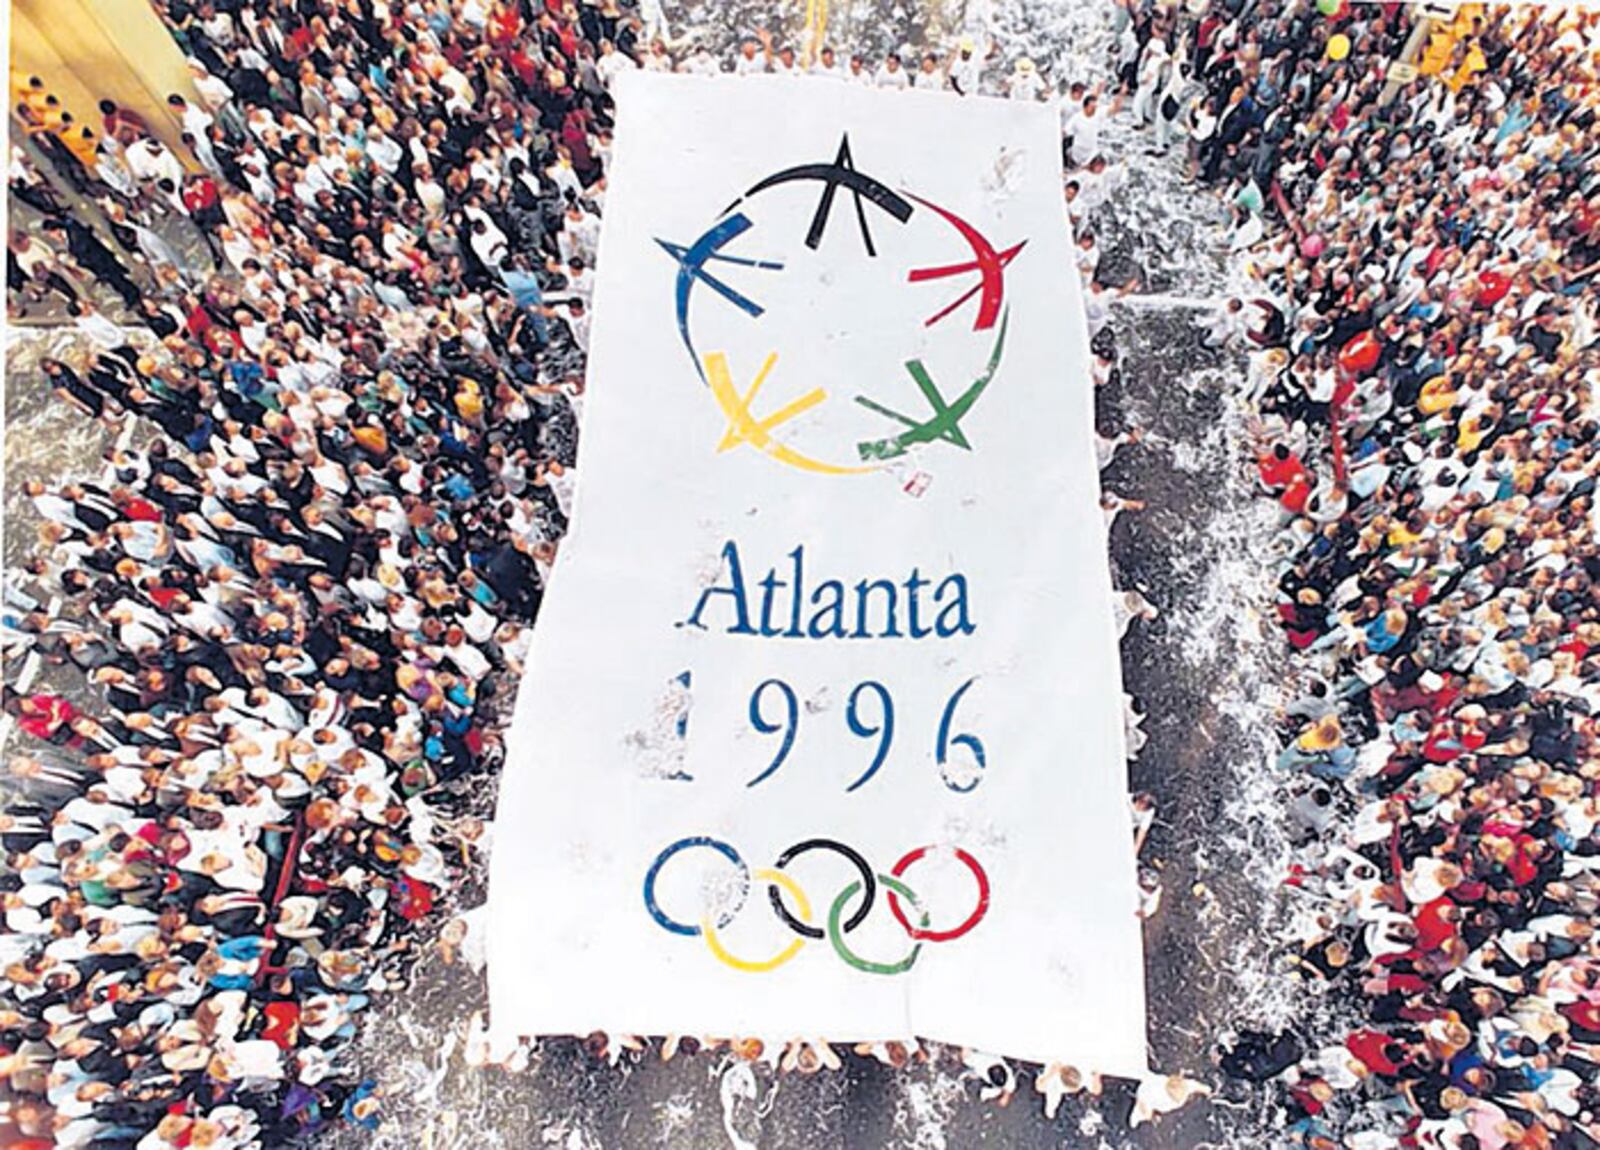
{"type": "Point", "coordinates": [121, 124]}
{"type": "Point", "coordinates": [1375, 1050]}
{"type": "Point", "coordinates": [203, 203]}
{"type": "Point", "coordinates": [575, 135]}
{"type": "Point", "coordinates": [282, 1023]}
{"type": "Point", "coordinates": [298, 44]}
{"type": "Point", "coordinates": [138, 509]}
{"type": "Point", "coordinates": [1285, 476]}
{"type": "Point", "coordinates": [162, 597]}
{"type": "Point", "coordinates": [525, 68]}
{"type": "Point", "coordinates": [1437, 924]}
{"type": "Point", "coordinates": [198, 321]}
{"type": "Point", "coordinates": [1279, 469]}
{"type": "Point", "coordinates": [1493, 285]}
{"type": "Point", "coordinates": [504, 25]}
{"type": "Point", "coordinates": [46, 717]}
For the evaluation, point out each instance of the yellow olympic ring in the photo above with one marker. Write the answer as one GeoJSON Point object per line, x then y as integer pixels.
{"type": "Point", "coordinates": [708, 928]}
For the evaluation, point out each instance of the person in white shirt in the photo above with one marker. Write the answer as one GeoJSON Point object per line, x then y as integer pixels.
{"type": "Point", "coordinates": [576, 316]}
{"type": "Point", "coordinates": [930, 77]}
{"type": "Point", "coordinates": [563, 175]}
{"type": "Point", "coordinates": [891, 75]}
{"type": "Point", "coordinates": [579, 235]}
{"type": "Point", "coordinates": [152, 162]}
{"type": "Point", "coordinates": [430, 194]}
{"type": "Point", "coordinates": [1024, 83]}
{"type": "Point", "coordinates": [383, 151]}
{"type": "Point", "coordinates": [252, 334]}
{"type": "Point", "coordinates": [701, 63]}
{"type": "Point", "coordinates": [562, 481]}
{"type": "Point", "coordinates": [784, 64]}
{"type": "Point", "coordinates": [1098, 182]}
{"type": "Point", "coordinates": [1152, 74]}
{"type": "Point", "coordinates": [657, 59]}
{"type": "Point", "coordinates": [1170, 127]}
{"type": "Point", "coordinates": [95, 326]}
{"type": "Point", "coordinates": [1082, 131]}
{"type": "Point", "coordinates": [53, 507]}
{"type": "Point", "coordinates": [485, 169]}
{"type": "Point", "coordinates": [215, 95]}
{"type": "Point", "coordinates": [612, 63]}
{"type": "Point", "coordinates": [652, 18]}
{"type": "Point", "coordinates": [488, 241]}
{"type": "Point", "coordinates": [857, 72]}
{"type": "Point", "coordinates": [827, 65]}
{"type": "Point", "coordinates": [468, 659]}
{"type": "Point", "coordinates": [1088, 255]}
{"type": "Point", "coordinates": [196, 120]}
{"type": "Point", "coordinates": [580, 280]}
{"type": "Point", "coordinates": [750, 60]}
{"type": "Point", "coordinates": [212, 90]}
{"type": "Point", "coordinates": [966, 70]}
{"type": "Point", "coordinates": [219, 29]}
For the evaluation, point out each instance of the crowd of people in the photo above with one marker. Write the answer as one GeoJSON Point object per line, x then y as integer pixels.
{"type": "Point", "coordinates": [296, 589]}
{"type": "Point", "coordinates": [1423, 246]}
{"type": "Point", "coordinates": [349, 328]}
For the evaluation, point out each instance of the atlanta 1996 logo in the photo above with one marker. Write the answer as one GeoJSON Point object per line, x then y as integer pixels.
{"type": "Point", "coordinates": [770, 304]}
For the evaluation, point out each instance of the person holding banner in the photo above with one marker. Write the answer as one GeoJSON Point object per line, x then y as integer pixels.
{"type": "Point", "coordinates": [891, 75]}
{"type": "Point", "coordinates": [827, 65]}
{"type": "Point", "coordinates": [755, 54]}
{"type": "Point", "coordinates": [930, 76]}
{"type": "Point", "coordinates": [966, 69]}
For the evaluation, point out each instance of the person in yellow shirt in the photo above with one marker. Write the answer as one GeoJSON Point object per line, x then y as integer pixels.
{"type": "Point", "coordinates": [52, 129]}
{"type": "Point", "coordinates": [1437, 395]}
{"type": "Point", "coordinates": [372, 438]}
{"type": "Point", "coordinates": [80, 140]}
{"type": "Point", "coordinates": [1475, 429]}
{"type": "Point", "coordinates": [1473, 63]}
{"type": "Point", "coordinates": [469, 401]}
{"type": "Point", "coordinates": [31, 94]}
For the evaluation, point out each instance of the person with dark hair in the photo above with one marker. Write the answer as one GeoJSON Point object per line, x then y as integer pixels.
{"type": "Point", "coordinates": [202, 201]}
{"type": "Point", "coordinates": [94, 257]}
{"type": "Point", "coordinates": [120, 123]}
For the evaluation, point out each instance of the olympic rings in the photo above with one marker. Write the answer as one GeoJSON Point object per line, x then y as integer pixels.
{"type": "Point", "coordinates": [721, 848]}
{"type": "Point", "coordinates": [867, 881]}
{"type": "Point", "coordinates": [778, 879]}
{"type": "Point", "coordinates": [972, 919]}
{"type": "Point", "coordinates": [836, 936]}
{"type": "Point", "coordinates": [835, 926]}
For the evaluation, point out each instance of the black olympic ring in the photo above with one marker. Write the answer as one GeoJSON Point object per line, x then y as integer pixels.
{"type": "Point", "coordinates": [779, 882]}
{"type": "Point", "coordinates": [869, 885]}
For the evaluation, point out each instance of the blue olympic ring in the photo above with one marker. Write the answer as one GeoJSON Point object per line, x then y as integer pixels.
{"type": "Point", "coordinates": [684, 844]}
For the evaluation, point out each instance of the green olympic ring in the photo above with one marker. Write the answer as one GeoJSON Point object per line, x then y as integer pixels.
{"type": "Point", "coordinates": [836, 936]}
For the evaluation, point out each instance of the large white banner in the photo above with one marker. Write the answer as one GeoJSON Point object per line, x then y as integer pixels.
{"type": "Point", "coordinates": [821, 733]}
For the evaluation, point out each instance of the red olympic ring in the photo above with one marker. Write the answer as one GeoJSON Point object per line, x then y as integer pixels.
{"type": "Point", "coordinates": [973, 919]}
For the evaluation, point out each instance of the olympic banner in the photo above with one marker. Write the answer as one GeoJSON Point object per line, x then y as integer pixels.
{"type": "Point", "coordinates": [821, 730]}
